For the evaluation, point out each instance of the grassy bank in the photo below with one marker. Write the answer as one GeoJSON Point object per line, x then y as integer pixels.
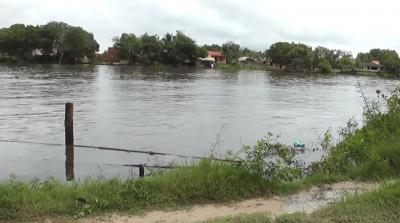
{"type": "Point", "coordinates": [371, 152]}
{"type": "Point", "coordinates": [368, 153]}
{"type": "Point", "coordinates": [238, 67]}
{"type": "Point", "coordinates": [373, 207]}
{"type": "Point", "coordinates": [206, 182]}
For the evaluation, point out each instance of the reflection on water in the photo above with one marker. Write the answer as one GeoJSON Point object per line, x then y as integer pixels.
{"type": "Point", "coordinates": [171, 111]}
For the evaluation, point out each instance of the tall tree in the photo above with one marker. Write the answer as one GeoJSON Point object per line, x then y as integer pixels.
{"type": "Point", "coordinates": [213, 46]}
{"type": "Point", "coordinates": [20, 41]}
{"type": "Point", "coordinates": [185, 49]}
{"type": "Point", "coordinates": [279, 53]}
{"type": "Point", "coordinates": [54, 38]}
{"type": "Point", "coordinates": [231, 51]}
{"type": "Point", "coordinates": [78, 43]}
{"type": "Point", "coordinates": [128, 46]}
{"type": "Point", "coordinates": [150, 48]}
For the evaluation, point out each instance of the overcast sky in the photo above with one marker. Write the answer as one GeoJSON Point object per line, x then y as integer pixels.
{"type": "Point", "coordinates": [346, 24]}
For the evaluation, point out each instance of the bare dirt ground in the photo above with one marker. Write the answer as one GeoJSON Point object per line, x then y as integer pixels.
{"type": "Point", "coordinates": [306, 201]}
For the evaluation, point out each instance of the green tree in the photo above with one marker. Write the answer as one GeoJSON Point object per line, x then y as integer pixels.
{"type": "Point", "coordinates": [78, 43]}
{"type": "Point", "coordinates": [295, 56]}
{"type": "Point", "coordinates": [53, 34]}
{"type": "Point", "coordinates": [279, 53]}
{"type": "Point", "coordinates": [185, 49]}
{"type": "Point", "coordinates": [252, 53]}
{"type": "Point", "coordinates": [390, 61]}
{"type": "Point", "coordinates": [215, 47]}
{"type": "Point", "coordinates": [150, 48]}
{"type": "Point", "coordinates": [201, 52]}
{"type": "Point", "coordinates": [325, 66]}
{"type": "Point", "coordinates": [128, 46]}
{"type": "Point", "coordinates": [24, 42]}
{"type": "Point", "coordinates": [168, 49]}
{"type": "Point", "coordinates": [346, 62]}
{"type": "Point", "coordinates": [301, 56]}
{"type": "Point", "coordinates": [323, 54]}
{"type": "Point", "coordinates": [3, 40]}
{"type": "Point", "coordinates": [376, 54]}
{"type": "Point", "coordinates": [20, 41]}
{"type": "Point", "coordinates": [231, 51]}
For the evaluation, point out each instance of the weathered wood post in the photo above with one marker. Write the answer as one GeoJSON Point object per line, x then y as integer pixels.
{"type": "Point", "coordinates": [141, 170]}
{"type": "Point", "coordinates": [69, 141]}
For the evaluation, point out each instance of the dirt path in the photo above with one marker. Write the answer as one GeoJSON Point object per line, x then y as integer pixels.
{"type": "Point", "coordinates": [306, 201]}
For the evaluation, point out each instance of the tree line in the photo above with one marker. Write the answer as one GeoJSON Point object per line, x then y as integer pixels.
{"type": "Point", "coordinates": [299, 56]}
{"type": "Point", "coordinates": [58, 42]}
{"type": "Point", "coordinates": [54, 42]}
{"type": "Point", "coordinates": [173, 49]}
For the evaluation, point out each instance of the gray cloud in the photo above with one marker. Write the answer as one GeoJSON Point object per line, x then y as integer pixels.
{"type": "Point", "coordinates": [254, 23]}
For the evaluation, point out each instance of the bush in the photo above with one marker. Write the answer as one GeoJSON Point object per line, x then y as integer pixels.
{"type": "Point", "coordinates": [272, 160]}
{"type": "Point", "coordinates": [373, 151]}
{"type": "Point", "coordinates": [326, 67]}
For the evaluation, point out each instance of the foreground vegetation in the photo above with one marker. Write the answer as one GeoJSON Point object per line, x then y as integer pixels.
{"type": "Point", "coordinates": [206, 182]}
{"type": "Point", "coordinates": [373, 151]}
{"type": "Point", "coordinates": [369, 153]}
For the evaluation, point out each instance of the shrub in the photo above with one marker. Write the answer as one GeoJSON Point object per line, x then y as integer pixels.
{"type": "Point", "coordinates": [272, 160]}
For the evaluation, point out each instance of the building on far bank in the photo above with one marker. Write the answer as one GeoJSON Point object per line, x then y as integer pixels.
{"type": "Point", "coordinates": [247, 60]}
{"type": "Point", "coordinates": [110, 56]}
{"type": "Point", "coordinates": [101, 58]}
{"type": "Point", "coordinates": [218, 56]}
{"type": "Point", "coordinates": [373, 66]}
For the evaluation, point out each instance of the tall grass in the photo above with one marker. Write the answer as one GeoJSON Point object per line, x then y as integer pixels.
{"type": "Point", "coordinates": [372, 152]}
{"type": "Point", "coordinates": [206, 182]}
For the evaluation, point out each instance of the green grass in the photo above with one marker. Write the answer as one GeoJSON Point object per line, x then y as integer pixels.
{"type": "Point", "coordinates": [206, 182]}
{"type": "Point", "coordinates": [252, 218]}
{"type": "Point", "coordinates": [238, 67]}
{"type": "Point", "coordinates": [371, 153]}
{"type": "Point", "coordinates": [291, 187]}
{"type": "Point", "coordinates": [373, 207]}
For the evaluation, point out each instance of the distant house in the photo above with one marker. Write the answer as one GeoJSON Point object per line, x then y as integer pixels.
{"type": "Point", "coordinates": [101, 57]}
{"type": "Point", "coordinates": [373, 66]}
{"type": "Point", "coordinates": [246, 60]}
{"type": "Point", "coordinates": [207, 61]}
{"type": "Point", "coordinates": [218, 56]}
{"type": "Point", "coordinates": [112, 55]}
{"type": "Point", "coordinates": [108, 57]}
{"type": "Point", "coordinates": [37, 52]}
{"type": "Point", "coordinates": [85, 60]}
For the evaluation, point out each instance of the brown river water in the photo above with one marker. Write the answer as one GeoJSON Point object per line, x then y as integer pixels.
{"type": "Point", "coordinates": [187, 112]}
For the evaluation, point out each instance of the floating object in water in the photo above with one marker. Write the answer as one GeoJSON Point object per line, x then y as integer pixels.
{"type": "Point", "coordinates": [298, 144]}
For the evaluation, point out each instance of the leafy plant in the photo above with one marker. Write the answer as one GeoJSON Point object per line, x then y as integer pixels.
{"type": "Point", "coordinates": [272, 160]}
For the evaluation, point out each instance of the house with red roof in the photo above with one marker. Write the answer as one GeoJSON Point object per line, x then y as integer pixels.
{"type": "Point", "coordinates": [218, 56]}
{"type": "Point", "coordinates": [373, 66]}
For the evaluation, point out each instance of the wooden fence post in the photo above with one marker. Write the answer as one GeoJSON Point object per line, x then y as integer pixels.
{"type": "Point", "coordinates": [141, 170]}
{"type": "Point", "coordinates": [69, 141]}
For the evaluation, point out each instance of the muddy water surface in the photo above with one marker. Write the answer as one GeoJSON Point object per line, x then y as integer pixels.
{"type": "Point", "coordinates": [173, 111]}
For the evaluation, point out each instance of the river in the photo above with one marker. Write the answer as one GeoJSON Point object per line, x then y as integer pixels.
{"type": "Point", "coordinates": [186, 112]}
